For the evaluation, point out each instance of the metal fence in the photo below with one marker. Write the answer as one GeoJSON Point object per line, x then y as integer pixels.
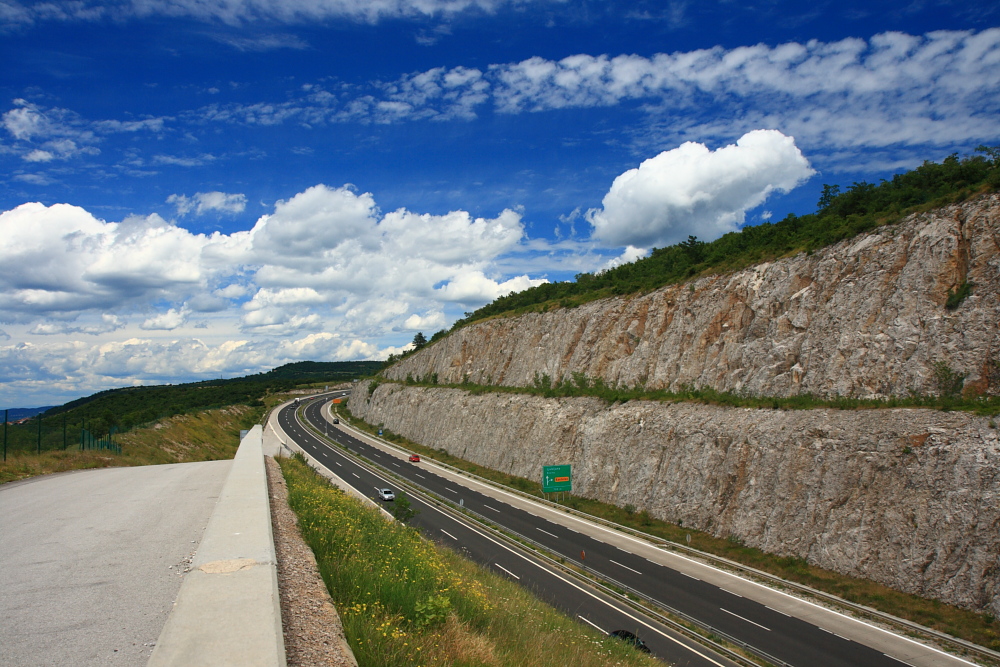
{"type": "Point", "coordinates": [43, 434]}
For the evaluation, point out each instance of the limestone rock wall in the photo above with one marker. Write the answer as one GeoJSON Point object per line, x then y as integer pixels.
{"type": "Point", "coordinates": [863, 318]}
{"type": "Point", "coordinates": [909, 498]}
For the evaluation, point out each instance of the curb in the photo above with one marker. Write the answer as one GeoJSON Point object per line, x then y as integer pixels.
{"type": "Point", "coordinates": [228, 611]}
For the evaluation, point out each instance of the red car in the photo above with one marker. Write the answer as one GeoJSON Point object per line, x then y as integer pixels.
{"type": "Point", "coordinates": [414, 458]}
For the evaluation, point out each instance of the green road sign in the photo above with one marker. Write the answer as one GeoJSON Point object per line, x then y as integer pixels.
{"type": "Point", "coordinates": [557, 478]}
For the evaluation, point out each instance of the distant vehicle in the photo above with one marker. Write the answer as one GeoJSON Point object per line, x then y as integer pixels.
{"type": "Point", "coordinates": [386, 494]}
{"type": "Point", "coordinates": [336, 421]}
{"type": "Point", "coordinates": [296, 401]}
{"type": "Point", "coordinates": [630, 638]}
{"type": "Point", "coordinates": [414, 458]}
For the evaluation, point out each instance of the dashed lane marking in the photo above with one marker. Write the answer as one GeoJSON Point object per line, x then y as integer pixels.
{"type": "Point", "coordinates": [745, 619]}
{"type": "Point", "coordinates": [625, 566]}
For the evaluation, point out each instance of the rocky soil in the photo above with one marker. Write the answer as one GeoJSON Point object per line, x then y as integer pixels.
{"type": "Point", "coordinates": [312, 629]}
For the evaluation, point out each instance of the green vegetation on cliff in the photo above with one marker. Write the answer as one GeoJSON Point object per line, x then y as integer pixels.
{"type": "Point", "coordinates": [840, 215]}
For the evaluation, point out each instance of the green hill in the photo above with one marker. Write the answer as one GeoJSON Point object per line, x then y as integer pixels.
{"type": "Point", "coordinates": [128, 407]}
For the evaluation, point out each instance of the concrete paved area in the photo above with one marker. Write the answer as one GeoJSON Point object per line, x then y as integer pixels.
{"type": "Point", "coordinates": [91, 561]}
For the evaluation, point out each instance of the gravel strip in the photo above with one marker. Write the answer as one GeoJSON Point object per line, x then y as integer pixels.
{"type": "Point", "coordinates": [312, 628]}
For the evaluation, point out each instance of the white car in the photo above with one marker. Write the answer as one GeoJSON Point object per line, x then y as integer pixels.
{"type": "Point", "coordinates": [386, 494]}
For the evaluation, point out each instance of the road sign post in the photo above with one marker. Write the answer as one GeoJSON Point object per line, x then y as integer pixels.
{"type": "Point", "coordinates": [557, 479]}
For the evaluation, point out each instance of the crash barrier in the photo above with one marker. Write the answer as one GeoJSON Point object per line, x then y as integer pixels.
{"type": "Point", "coordinates": [228, 611]}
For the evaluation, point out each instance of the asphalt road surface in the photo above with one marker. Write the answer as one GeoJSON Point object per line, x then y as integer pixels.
{"type": "Point", "coordinates": [589, 606]}
{"type": "Point", "coordinates": [789, 639]}
{"type": "Point", "coordinates": [92, 560]}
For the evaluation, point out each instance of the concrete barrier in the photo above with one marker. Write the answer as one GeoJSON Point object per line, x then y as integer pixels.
{"type": "Point", "coordinates": [228, 611]}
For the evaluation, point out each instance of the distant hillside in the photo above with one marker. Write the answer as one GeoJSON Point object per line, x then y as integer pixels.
{"type": "Point", "coordinates": [13, 414]}
{"type": "Point", "coordinates": [129, 406]}
{"type": "Point", "coordinates": [335, 371]}
{"type": "Point", "coordinates": [839, 216]}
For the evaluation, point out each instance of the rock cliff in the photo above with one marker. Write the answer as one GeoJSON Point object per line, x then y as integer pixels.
{"type": "Point", "coordinates": [909, 498]}
{"type": "Point", "coordinates": [863, 318]}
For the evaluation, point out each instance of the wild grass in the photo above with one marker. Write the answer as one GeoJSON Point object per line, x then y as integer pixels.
{"type": "Point", "coordinates": [948, 381]}
{"type": "Point", "coordinates": [406, 601]}
{"type": "Point", "coordinates": [201, 436]}
{"type": "Point", "coordinates": [981, 629]}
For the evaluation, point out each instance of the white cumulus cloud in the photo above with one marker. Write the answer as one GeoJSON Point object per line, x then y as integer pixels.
{"type": "Point", "coordinates": [326, 275]}
{"type": "Point", "coordinates": [692, 190]}
{"type": "Point", "coordinates": [167, 321]}
{"type": "Point", "coordinates": [428, 322]}
{"type": "Point", "coordinates": [203, 202]}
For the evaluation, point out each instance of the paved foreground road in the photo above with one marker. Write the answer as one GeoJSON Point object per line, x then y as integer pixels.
{"type": "Point", "coordinates": [91, 561]}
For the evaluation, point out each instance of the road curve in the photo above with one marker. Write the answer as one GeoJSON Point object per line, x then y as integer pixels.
{"type": "Point", "coordinates": [591, 607]}
{"type": "Point", "coordinates": [794, 641]}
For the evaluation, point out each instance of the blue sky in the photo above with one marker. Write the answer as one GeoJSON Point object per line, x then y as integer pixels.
{"type": "Point", "coordinates": [196, 189]}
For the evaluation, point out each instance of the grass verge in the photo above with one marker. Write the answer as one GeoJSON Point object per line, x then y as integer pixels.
{"type": "Point", "coordinates": [405, 601]}
{"type": "Point", "coordinates": [201, 436]}
{"type": "Point", "coordinates": [981, 629]}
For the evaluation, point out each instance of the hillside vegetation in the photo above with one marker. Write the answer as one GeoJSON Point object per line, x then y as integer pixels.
{"type": "Point", "coordinates": [202, 436]}
{"type": "Point", "coordinates": [121, 410]}
{"type": "Point", "coordinates": [53, 438]}
{"type": "Point", "coordinates": [840, 215]}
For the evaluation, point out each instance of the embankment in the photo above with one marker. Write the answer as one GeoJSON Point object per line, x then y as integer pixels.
{"type": "Point", "coordinates": [909, 498]}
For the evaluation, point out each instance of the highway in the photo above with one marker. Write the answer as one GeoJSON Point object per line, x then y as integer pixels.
{"type": "Point", "coordinates": [791, 640]}
{"type": "Point", "coordinates": [579, 601]}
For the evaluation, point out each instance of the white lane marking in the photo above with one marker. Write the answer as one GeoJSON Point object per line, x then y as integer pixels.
{"type": "Point", "coordinates": [730, 592]}
{"type": "Point", "coordinates": [745, 619]}
{"type": "Point", "coordinates": [836, 635]}
{"type": "Point", "coordinates": [548, 533]}
{"type": "Point", "coordinates": [625, 566]}
{"type": "Point", "coordinates": [778, 612]}
{"type": "Point", "coordinates": [338, 463]}
{"type": "Point", "coordinates": [507, 571]}
{"type": "Point", "coordinates": [691, 576]}
{"type": "Point", "coordinates": [419, 475]}
{"type": "Point", "coordinates": [590, 594]}
{"type": "Point", "coordinates": [355, 474]}
{"type": "Point", "coordinates": [396, 464]}
{"type": "Point", "coordinates": [898, 660]}
{"type": "Point", "coordinates": [593, 625]}
{"type": "Point", "coordinates": [491, 508]}
{"type": "Point", "coordinates": [449, 534]}
{"type": "Point", "coordinates": [451, 490]}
